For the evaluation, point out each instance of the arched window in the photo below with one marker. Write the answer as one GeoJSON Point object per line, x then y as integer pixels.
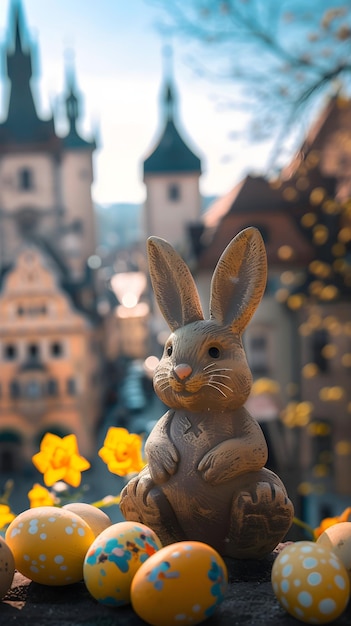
{"type": "Point", "coordinates": [10, 352]}
{"type": "Point", "coordinates": [25, 179]}
{"type": "Point", "coordinates": [52, 387]}
{"type": "Point", "coordinates": [15, 389]}
{"type": "Point", "coordinates": [174, 192]}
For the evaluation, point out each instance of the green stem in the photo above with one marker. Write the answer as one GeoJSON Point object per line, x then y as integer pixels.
{"type": "Point", "coordinates": [107, 501]}
{"type": "Point", "coordinates": [305, 526]}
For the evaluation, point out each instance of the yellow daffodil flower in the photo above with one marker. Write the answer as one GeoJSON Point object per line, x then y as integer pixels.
{"type": "Point", "coordinates": [6, 515]}
{"type": "Point", "coordinates": [59, 459]}
{"type": "Point", "coordinates": [122, 451]}
{"type": "Point", "coordinates": [330, 521]}
{"type": "Point", "coordinates": [40, 496]}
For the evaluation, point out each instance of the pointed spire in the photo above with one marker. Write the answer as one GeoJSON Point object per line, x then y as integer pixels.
{"type": "Point", "coordinates": [22, 123]}
{"type": "Point", "coordinates": [168, 98]}
{"type": "Point", "coordinates": [171, 153]}
{"type": "Point", "coordinates": [18, 40]}
{"type": "Point", "coordinates": [18, 57]}
{"type": "Point", "coordinates": [73, 139]}
{"type": "Point", "coordinates": [72, 104]}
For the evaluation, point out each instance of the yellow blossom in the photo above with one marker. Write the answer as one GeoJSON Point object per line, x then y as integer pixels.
{"type": "Point", "coordinates": [40, 496]}
{"type": "Point", "coordinates": [59, 459]}
{"type": "Point", "coordinates": [330, 521]}
{"type": "Point", "coordinates": [6, 515]}
{"type": "Point", "coordinates": [122, 451]}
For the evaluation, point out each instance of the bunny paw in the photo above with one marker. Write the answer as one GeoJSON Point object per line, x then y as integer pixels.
{"type": "Point", "coordinates": [261, 517]}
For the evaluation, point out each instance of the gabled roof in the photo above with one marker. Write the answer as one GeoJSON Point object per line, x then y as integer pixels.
{"type": "Point", "coordinates": [336, 114]}
{"type": "Point", "coordinates": [253, 193]}
{"type": "Point", "coordinates": [255, 201]}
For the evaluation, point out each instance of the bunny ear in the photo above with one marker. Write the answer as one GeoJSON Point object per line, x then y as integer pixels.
{"type": "Point", "coordinates": [173, 284]}
{"type": "Point", "coordinates": [239, 280]}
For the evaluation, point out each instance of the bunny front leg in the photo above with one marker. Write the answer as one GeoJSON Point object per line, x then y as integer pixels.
{"type": "Point", "coordinates": [161, 453]}
{"type": "Point", "coordinates": [235, 456]}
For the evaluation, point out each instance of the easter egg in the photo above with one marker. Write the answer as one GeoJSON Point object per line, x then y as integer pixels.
{"type": "Point", "coordinates": [49, 544]}
{"type": "Point", "coordinates": [114, 557]}
{"type": "Point", "coordinates": [338, 539]}
{"type": "Point", "coordinates": [182, 583]}
{"type": "Point", "coordinates": [7, 567]}
{"type": "Point", "coordinates": [94, 517]}
{"type": "Point", "coordinates": [310, 582]}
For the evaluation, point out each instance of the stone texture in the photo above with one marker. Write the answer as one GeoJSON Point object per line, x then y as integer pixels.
{"type": "Point", "coordinates": [249, 602]}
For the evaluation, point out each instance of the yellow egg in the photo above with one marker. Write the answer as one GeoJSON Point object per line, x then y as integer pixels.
{"type": "Point", "coordinates": [114, 557]}
{"type": "Point", "coordinates": [49, 544]}
{"type": "Point", "coordinates": [7, 568]}
{"type": "Point", "coordinates": [181, 584]}
{"type": "Point", "coordinates": [94, 517]}
{"type": "Point", "coordinates": [310, 582]}
{"type": "Point", "coordinates": [338, 539]}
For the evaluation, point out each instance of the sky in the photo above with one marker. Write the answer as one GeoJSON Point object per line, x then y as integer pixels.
{"type": "Point", "coordinates": [118, 56]}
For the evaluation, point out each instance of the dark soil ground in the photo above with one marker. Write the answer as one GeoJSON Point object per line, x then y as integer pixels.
{"type": "Point", "coordinates": [249, 602]}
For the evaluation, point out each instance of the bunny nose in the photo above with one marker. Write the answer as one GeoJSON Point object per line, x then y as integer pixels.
{"type": "Point", "coordinates": [182, 371]}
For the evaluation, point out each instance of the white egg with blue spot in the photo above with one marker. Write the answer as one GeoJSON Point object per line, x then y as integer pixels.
{"type": "Point", "coordinates": [49, 544]}
{"type": "Point", "coordinates": [310, 582]}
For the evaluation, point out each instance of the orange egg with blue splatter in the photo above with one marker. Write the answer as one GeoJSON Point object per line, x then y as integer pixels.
{"type": "Point", "coordinates": [113, 559]}
{"type": "Point", "coordinates": [181, 584]}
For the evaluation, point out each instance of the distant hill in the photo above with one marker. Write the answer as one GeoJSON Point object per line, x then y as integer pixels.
{"type": "Point", "coordinates": [119, 223]}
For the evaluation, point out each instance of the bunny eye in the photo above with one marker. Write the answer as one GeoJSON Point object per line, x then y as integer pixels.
{"type": "Point", "coordinates": [214, 352]}
{"type": "Point", "coordinates": [169, 350]}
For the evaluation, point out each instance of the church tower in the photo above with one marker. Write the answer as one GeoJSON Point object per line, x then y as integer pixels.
{"type": "Point", "coordinates": [171, 176]}
{"type": "Point", "coordinates": [45, 179]}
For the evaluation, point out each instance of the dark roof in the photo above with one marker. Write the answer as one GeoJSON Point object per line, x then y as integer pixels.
{"type": "Point", "coordinates": [23, 129]}
{"type": "Point", "coordinates": [22, 124]}
{"type": "Point", "coordinates": [171, 154]}
{"type": "Point", "coordinates": [73, 140]}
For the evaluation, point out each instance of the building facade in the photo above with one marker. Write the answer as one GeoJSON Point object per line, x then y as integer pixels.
{"type": "Point", "coordinates": [50, 333]}
{"type": "Point", "coordinates": [300, 335]}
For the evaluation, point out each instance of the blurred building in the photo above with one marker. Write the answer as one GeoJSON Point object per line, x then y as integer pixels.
{"type": "Point", "coordinates": [49, 328]}
{"type": "Point", "coordinates": [301, 333]}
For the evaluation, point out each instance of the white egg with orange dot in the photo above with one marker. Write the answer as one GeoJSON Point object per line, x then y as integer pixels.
{"type": "Point", "coordinates": [49, 544]}
{"type": "Point", "coordinates": [338, 539]}
{"type": "Point", "coordinates": [310, 582]}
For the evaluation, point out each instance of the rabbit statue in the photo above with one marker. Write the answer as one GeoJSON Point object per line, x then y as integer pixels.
{"type": "Point", "coordinates": [205, 479]}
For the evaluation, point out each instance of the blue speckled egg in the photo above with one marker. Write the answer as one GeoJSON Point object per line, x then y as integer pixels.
{"type": "Point", "coordinates": [113, 559]}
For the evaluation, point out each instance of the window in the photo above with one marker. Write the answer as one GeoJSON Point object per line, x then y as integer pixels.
{"type": "Point", "coordinates": [10, 352]}
{"type": "Point", "coordinates": [56, 349]}
{"type": "Point", "coordinates": [33, 389]}
{"type": "Point", "coordinates": [174, 192]}
{"type": "Point", "coordinates": [52, 387]}
{"type": "Point", "coordinates": [33, 351]}
{"type": "Point", "coordinates": [71, 387]}
{"type": "Point", "coordinates": [15, 390]}
{"type": "Point", "coordinates": [25, 179]}
{"type": "Point", "coordinates": [257, 354]}
{"type": "Point", "coordinates": [319, 340]}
